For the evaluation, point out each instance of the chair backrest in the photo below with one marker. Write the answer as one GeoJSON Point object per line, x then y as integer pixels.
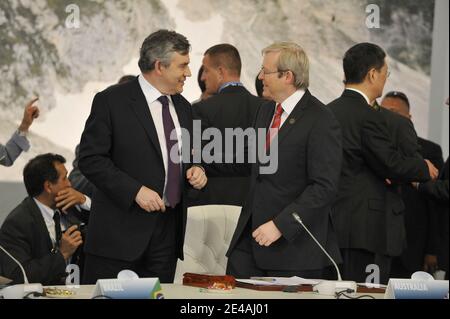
{"type": "Point", "coordinates": [11, 195]}
{"type": "Point", "coordinates": [209, 231]}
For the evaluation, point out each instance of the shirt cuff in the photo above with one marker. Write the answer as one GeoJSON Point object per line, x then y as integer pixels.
{"type": "Point", "coordinates": [21, 140]}
{"type": "Point", "coordinates": [87, 204]}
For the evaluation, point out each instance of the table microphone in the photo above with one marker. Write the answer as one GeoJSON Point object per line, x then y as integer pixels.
{"type": "Point", "coordinates": [19, 291]}
{"type": "Point", "coordinates": [328, 287]}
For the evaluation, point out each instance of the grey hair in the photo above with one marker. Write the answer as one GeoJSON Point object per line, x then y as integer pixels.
{"type": "Point", "coordinates": [160, 46]}
{"type": "Point", "coordinates": [292, 58]}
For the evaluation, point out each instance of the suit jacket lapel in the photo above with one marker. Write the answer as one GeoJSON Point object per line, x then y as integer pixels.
{"type": "Point", "coordinates": [180, 112]}
{"type": "Point", "coordinates": [141, 108]}
{"type": "Point", "coordinates": [264, 120]}
{"type": "Point", "coordinates": [294, 117]}
{"type": "Point", "coordinates": [267, 117]}
{"type": "Point", "coordinates": [40, 223]}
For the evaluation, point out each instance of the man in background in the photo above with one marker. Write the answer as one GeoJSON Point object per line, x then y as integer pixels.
{"type": "Point", "coordinates": [231, 106]}
{"type": "Point", "coordinates": [438, 191]}
{"type": "Point", "coordinates": [421, 250]}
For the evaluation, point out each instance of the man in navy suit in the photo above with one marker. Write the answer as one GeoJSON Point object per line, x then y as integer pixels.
{"type": "Point", "coordinates": [368, 215]}
{"type": "Point", "coordinates": [131, 151]}
{"type": "Point", "coordinates": [268, 241]}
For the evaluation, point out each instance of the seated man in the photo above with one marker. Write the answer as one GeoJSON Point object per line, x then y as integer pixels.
{"type": "Point", "coordinates": [42, 233]}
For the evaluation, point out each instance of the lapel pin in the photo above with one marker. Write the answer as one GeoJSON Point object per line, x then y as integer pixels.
{"type": "Point", "coordinates": [292, 121]}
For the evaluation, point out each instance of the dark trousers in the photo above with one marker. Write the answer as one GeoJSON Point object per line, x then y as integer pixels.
{"type": "Point", "coordinates": [242, 264]}
{"type": "Point", "coordinates": [356, 262]}
{"type": "Point", "coordinates": [158, 260]}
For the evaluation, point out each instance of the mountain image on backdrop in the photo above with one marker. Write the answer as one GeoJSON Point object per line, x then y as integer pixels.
{"type": "Point", "coordinates": [41, 56]}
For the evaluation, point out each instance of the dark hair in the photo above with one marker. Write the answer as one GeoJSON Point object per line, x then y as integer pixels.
{"type": "Point", "coordinates": [201, 83]}
{"type": "Point", "coordinates": [398, 95]}
{"type": "Point", "coordinates": [259, 86]}
{"type": "Point", "coordinates": [39, 170]}
{"type": "Point", "coordinates": [360, 59]}
{"type": "Point", "coordinates": [227, 56]}
{"type": "Point", "coordinates": [159, 46]}
{"type": "Point", "coordinates": [126, 78]}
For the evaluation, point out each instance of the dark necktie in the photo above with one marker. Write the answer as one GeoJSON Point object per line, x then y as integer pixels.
{"type": "Point", "coordinates": [58, 231]}
{"type": "Point", "coordinates": [173, 189]}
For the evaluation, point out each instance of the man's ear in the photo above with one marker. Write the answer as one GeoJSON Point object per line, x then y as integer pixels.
{"type": "Point", "coordinates": [47, 187]}
{"type": "Point", "coordinates": [158, 67]}
{"type": "Point", "coordinates": [290, 77]}
{"type": "Point", "coordinates": [221, 72]}
{"type": "Point", "coordinates": [372, 75]}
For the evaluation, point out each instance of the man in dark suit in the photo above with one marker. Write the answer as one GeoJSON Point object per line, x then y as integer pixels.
{"type": "Point", "coordinates": [305, 139]}
{"type": "Point", "coordinates": [36, 233]}
{"type": "Point", "coordinates": [77, 179]}
{"type": "Point", "coordinates": [131, 151]}
{"type": "Point", "coordinates": [438, 192]}
{"type": "Point", "coordinates": [420, 253]}
{"type": "Point", "coordinates": [398, 102]}
{"type": "Point", "coordinates": [230, 107]}
{"type": "Point", "coordinates": [368, 217]}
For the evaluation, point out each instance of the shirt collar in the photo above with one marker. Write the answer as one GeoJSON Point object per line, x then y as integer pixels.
{"type": "Point", "coordinates": [360, 92]}
{"type": "Point", "coordinates": [46, 211]}
{"type": "Point", "coordinates": [227, 84]}
{"type": "Point", "coordinates": [290, 103]}
{"type": "Point", "coordinates": [150, 92]}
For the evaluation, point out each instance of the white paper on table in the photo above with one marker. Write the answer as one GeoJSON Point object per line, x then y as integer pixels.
{"type": "Point", "coordinates": [279, 281]}
{"type": "Point", "coordinates": [371, 285]}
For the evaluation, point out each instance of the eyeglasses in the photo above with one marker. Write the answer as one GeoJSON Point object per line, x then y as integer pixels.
{"type": "Point", "coordinates": [264, 72]}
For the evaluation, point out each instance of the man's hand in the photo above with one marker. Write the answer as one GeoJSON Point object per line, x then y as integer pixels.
{"type": "Point", "coordinates": [430, 264]}
{"type": "Point", "coordinates": [434, 172]}
{"type": "Point", "coordinates": [267, 234]}
{"type": "Point", "coordinates": [71, 239]}
{"type": "Point", "coordinates": [68, 198]}
{"type": "Point", "coordinates": [31, 112]}
{"type": "Point", "coordinates": [196, 177]}
{"type": "Point", "coordinates": [150, 201]}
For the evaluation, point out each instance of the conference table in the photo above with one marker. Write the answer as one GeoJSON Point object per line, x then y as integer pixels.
{"type": "Point", "coordinates": [178, 291]}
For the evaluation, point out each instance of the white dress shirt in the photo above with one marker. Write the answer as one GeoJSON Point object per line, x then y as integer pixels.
{"type": "Point", "coordinates": [151, 95]}
{"type": "Point", "coordinates": [48, 213]}
{"type": "Point", "coordinates": [288, 106]}
{"type": "Point", "coordinates": [362, 93]}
